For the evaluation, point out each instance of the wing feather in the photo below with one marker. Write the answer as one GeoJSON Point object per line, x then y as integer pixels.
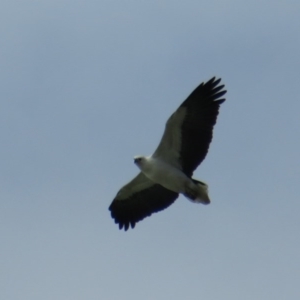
{"type": "Point", "coordinates": [189, 130]}
{"type": "Point", "coordinates": [139, 199]}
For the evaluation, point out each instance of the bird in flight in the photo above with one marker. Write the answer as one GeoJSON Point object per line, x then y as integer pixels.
{"type": "Point", "coordinates": [168, 171]}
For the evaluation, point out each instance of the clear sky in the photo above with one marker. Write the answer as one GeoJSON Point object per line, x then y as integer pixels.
{"type": "Point", "coordinates": [85, 86]}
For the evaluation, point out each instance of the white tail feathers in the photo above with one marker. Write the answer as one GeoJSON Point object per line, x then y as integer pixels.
{"type": "Point", "coordinates": [202, 195]}
{"type": "Point", "coordinates": [198, 192]}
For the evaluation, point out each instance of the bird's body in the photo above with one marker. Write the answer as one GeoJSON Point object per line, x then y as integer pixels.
{"type": "Point", "coordinates": [165, 174]}
{"type": "Point", "coordinates": [168, 171]}
{"type": "Point", "coordinates": [172, 178]}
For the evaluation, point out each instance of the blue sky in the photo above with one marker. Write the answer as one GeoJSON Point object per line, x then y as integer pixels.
{"type": "Point", "coordinates": [85, 86]}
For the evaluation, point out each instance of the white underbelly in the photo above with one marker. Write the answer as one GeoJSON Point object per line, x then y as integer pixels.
{"type": "Point", "coordinates": [169, 177]}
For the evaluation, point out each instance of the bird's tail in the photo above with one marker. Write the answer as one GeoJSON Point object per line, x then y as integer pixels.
{"type": "Point", "coordinates": [200, 192]}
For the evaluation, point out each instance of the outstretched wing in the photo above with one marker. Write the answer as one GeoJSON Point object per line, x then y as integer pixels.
{"type": "Point", "coordinates": [139, 199]}
{"type": "Point", "coordinates": [189, 130]}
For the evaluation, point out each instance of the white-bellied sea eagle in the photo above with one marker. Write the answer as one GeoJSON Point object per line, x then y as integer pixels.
{"type": "Point", "coordinates": [168, 171]}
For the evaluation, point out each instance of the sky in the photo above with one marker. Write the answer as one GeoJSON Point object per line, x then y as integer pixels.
{"type": "Point", "coordinates": [87, 85]}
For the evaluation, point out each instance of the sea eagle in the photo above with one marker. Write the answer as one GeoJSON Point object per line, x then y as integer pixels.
{"type": "Point", "coordinates": [168, 171]}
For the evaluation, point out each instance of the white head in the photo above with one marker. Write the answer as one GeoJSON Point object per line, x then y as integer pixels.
{"type": "Point", "coordinates": [140, 161]}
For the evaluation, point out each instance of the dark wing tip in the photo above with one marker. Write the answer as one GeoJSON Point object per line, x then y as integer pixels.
{"type": "Point", "coordinates": [206, 93]}
{"type": "Point", "coordinates": [214, 89]}
{"type": "Point", "coordinates": [127, 212]}
{"type": "Point", "coordinates": [202, 109]}
{"type": "Point", "coordinates": [212, 82]}
{"type": "Point", "coordinates": [121, 215]}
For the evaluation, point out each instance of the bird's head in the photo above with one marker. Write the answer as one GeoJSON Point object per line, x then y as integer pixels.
{"type": "Point", "coordinates": [139, 161]}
